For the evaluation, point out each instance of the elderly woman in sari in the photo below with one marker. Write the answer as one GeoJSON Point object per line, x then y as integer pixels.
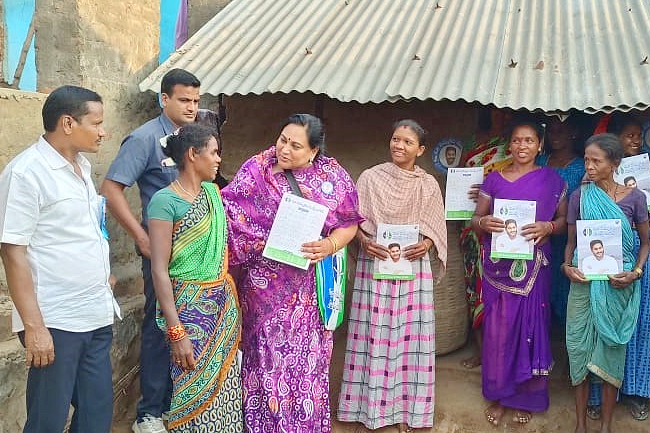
{"type": "Point", "coordinates": [287, 350]}
{"type": "Point", "coordinates": [196, 295]}
{"type": "Point", "coordinates": [391, 336]}
{"type": "Point", "coordinates": [601, 315]}
{"type": "Point", "coordinates": [636, 382]}
{"type": "Point", "coordinates": [516, 293]}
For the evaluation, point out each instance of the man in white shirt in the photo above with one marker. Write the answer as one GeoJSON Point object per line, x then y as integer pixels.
{"type": "Point", "coordinates": [599, 263]}
{"type": "Point", "coordinates": [55, 255]}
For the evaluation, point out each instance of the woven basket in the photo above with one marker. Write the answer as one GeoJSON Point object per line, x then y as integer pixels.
{"type": "Point", "coordinates": [452, 320]}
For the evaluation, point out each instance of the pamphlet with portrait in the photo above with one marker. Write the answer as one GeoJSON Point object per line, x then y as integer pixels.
{"type": "Point", "coordinates": [600, 248]}
{"type": "Point", "coordinates": [634, 171]}
{"type": "Point", "coordinates": [510, 244]}
{"type": "Point", "coordinates": [395, 237]}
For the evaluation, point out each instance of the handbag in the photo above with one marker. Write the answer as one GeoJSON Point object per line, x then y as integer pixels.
{"type": "Point", "coordinates": [331, 277]}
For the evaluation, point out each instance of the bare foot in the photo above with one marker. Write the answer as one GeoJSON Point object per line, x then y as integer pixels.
{"type": "Point", "coordinates": [580, 430]}
{"type": "Point", "coordinates": [471, 362]}
{"type": "Point", "coordinates": [494, 413]}
{"type": "Point", "coordinates": [404, 428]}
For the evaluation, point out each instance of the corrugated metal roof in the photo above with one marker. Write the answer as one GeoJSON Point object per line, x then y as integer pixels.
{"type": "Point", "coordinates": [534, 54]}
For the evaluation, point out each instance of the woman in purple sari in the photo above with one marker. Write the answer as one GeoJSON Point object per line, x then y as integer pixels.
{"type": "Point", "coordinates": [287, 351]}
{"type": "Point", "coordinates": [516, 293]}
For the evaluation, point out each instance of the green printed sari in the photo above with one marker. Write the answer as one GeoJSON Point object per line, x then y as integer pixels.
{"type": "Point", "coordinates": [208, 308]}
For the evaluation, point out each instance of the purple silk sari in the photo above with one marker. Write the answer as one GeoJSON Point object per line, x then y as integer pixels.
{"type": "Point", "coordinates": [516, 294]}
{"type": "Point", "coordinates": [287, 350]}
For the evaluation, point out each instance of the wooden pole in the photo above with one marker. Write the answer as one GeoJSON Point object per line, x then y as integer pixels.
{"type": "Point", "coordinates": [23, 54]}
{"type": "Point", "coordinates": [3, 82]}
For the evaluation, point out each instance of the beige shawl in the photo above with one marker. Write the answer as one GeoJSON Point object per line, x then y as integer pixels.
{"type": "Point", "coordinates": [391, 195]}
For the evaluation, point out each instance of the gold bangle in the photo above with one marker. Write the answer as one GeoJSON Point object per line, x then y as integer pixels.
{"type": "Point", "coordinates": [334, 242]}
{"type": "Point", "coordinates": [176, 332]}
{"type": "Point", "coordinates": [638, 271]}
{"type": "Point", "coordinates": [479, 221]}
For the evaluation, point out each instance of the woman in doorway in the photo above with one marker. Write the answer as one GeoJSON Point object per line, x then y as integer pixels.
{"type": "Point", "coordinates": [516, 344]}
{"type": "Point", "coordinates": [196, 295]}
{"type": "Point", "coordinates": [389, 368]}
{"type": "Point", "coordinates": [563, 152]}
{"type": "Point", "coordinates": [636, 384]}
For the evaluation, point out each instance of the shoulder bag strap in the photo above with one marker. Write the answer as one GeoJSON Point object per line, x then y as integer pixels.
{"type": "Point", "coordinates": [292, 182]}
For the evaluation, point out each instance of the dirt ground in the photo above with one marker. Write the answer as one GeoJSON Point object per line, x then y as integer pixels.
{"type": "Point", "coordinates": [460, 405]}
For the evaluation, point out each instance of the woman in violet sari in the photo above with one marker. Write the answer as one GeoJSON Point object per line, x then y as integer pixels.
{"type": "Point", "coordinates": [286, 348]}
{"type": "Point", "coordinates": [196, 295]}
{"type": "Point", "coordinates": [516, 293]}
{"type": "Point", "coordinates": [602, 315]}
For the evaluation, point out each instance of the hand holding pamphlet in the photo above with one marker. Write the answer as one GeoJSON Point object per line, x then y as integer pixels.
{"type": "Point", "coordinates": [296, 222]}
{"type": "Point", "coordinates": [634, 171]}
{"type": "Point", "coordinates": [600, 248]}
{"type": "Point", "coordinates": [458, 205]}
{"type": "Point", "coordinates": [395, 237]}
{"type": "Point", "coordinates": [510, 244]}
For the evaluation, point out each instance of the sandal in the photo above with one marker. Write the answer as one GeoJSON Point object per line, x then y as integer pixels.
{"type": "Point", "coordinates": [522, 416]}
{"type": "Point", "coordinates": [494, 413]}
{"type": "Point", "coordinates": [639, 409]}
{"type": "Point", "coordinates": [593, 412]}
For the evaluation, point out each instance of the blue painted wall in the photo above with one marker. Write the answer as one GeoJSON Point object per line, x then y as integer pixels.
{"type": "Point", "coordinates": [18, 15]}
{"type": "Point", "coordinates": [168, 15]}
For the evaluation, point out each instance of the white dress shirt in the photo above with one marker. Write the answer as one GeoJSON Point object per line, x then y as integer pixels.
{"type": "Point", "coordinates": [56, 214]}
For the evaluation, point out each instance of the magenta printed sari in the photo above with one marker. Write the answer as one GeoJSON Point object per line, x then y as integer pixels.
{"type": "Point", "coordinates": [516, 294]}
{"type": "Point", "coordinates": [287, 350]}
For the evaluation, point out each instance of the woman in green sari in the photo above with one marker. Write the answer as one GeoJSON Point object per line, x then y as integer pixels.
{"type": "Point", "coordinates": [198, 306]}
{"type": "Point", "coordinates": [602, 315]}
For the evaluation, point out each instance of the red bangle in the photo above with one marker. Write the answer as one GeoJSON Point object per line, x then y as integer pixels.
{"type": "Point", "coordinates": [176, 332]}
{"type": "Point", "coordinates": [552, 227]}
